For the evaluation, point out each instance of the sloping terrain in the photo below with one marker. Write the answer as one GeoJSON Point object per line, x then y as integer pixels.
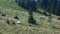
{"type": "Point", "coordinates": [12, 9]}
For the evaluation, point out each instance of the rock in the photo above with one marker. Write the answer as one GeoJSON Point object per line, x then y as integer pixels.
{"type": "Point", "coordinates": [42, 17]}
{"type": "Point", "coordinates": [18, 22]}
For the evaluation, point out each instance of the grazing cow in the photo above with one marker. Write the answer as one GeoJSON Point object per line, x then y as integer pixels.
{"type": "Point", "coordinates": [4, 14]}
{"type": "Point", "coordinates": [58, 18]}
{"type": "Point", "coordinates": [16, 17]}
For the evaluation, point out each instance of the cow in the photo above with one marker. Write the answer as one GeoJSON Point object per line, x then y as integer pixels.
{"type": "Point", "coordinates": [16, 17]}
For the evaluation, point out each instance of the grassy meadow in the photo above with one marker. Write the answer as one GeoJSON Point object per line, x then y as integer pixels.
{"type": "Point", "coordinates": [11, 8]}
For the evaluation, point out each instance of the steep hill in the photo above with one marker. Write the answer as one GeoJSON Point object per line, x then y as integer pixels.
{"type": "Point", "coordinates": [11, 8]}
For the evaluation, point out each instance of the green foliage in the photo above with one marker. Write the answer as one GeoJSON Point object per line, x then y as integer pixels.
{"type": "Point", "coordinates": [1, 33]}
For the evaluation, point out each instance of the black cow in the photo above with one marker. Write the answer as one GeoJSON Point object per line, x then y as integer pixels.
{"type": "Point", "coordinates": [4, 14]}
{"type": "Point", "coordinates": [58, 18]}
{"type": "Point", "coordinates": [16, 17]}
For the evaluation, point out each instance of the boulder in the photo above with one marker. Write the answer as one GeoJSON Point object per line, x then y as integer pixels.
{"type": "Point", "coordinates": [42, 17]}
{"type": "Point", "coordinates": [18, 22]}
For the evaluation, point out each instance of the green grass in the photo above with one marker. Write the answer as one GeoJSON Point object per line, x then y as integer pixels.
{"type": "Point", "coordinates": [12, 9]}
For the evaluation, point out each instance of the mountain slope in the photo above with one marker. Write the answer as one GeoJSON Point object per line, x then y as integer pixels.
{"type": "Point", "coordinates": [12, 9]}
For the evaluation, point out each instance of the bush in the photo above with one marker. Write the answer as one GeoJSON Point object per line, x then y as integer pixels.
{"type": "Point", "coordinates": [1, 33]}
{"type": "Point", "coordinates": [10, 22]}
{"type": "Point", "coordinates": [0, 12]}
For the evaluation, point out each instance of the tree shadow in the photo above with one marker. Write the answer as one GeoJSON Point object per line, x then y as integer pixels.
{"type": "Point", "coordinates": [31, 20]}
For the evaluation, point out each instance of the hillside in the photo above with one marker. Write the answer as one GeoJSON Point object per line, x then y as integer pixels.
{"type": "Point", "coordinates": [11, 8]}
